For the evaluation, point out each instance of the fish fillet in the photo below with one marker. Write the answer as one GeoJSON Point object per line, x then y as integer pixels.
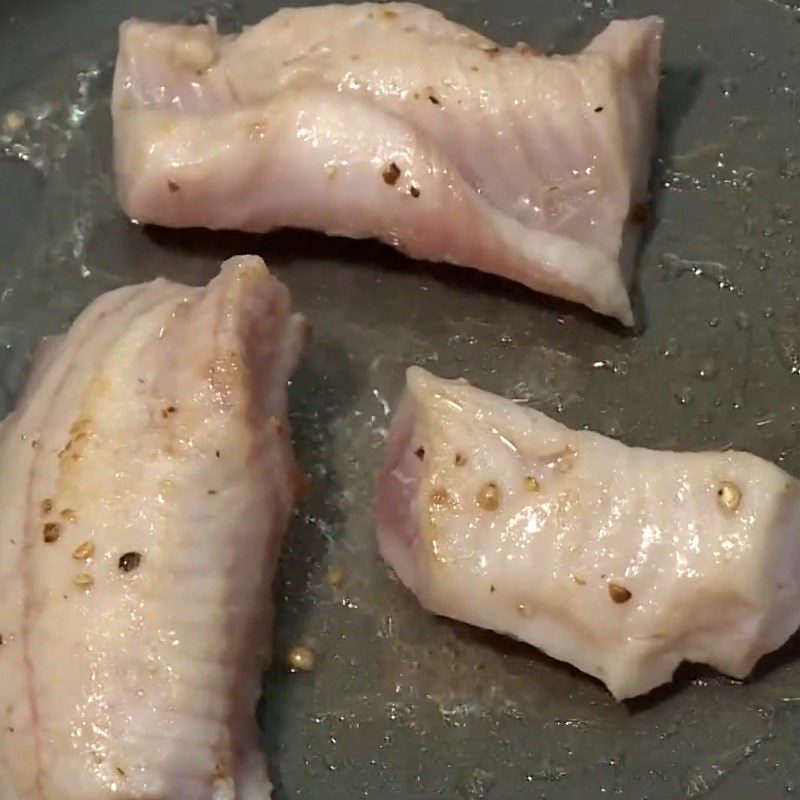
{"type": "Point", "coordinates": [147, 478]}
{"type": "Point", "coordinates": [620, 560]}
{"type": "Point", "coordinates": [390, 121]}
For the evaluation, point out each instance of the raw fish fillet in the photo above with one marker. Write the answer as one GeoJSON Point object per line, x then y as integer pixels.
{"type": "Point", "coordinates": [620, 560]}
{"type": "Point", "coordinates": [146, 480]}
{"type": "Point", "coordinates": [390, 121]}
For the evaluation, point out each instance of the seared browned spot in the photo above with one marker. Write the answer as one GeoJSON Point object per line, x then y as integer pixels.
{"type": "Point", "coordinates": [460, 459]}
{"type": "Point", "coordinates": [440, 497]}
{"type": "Point", "coordinates": [531, 484]}
{"type": "Point", "coordinates": [69, 515]}
{"type": "Point", "coordinates": [390, 15]}
{"type": "Point", "coordinates": [46, 506]}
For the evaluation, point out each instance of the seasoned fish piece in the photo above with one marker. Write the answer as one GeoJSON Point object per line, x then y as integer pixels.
{"type": "Point", "coordinates": [147, 478]}
{"type": "Point", "coordinates": [620, 560]}
{"type": "Point", "coordinates": [390, 121]}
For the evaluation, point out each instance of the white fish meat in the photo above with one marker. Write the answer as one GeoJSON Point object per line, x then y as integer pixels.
{"type": "Point", "coordinates": [390, 121]}
{"type": "Point", "coordinates": [620, 560]}
{"type": "Point", "coordinates": [147, 478]}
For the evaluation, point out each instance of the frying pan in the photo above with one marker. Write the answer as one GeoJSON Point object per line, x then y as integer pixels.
{"type": "Point", "coordinates": [401, 704]}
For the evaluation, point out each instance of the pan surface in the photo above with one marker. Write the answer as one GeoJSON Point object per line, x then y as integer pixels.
{"type": "Point", "coordinates": [401, 704]}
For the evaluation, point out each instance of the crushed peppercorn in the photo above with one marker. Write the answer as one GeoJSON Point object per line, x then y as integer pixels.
{"type": "Point", "coordinates": [130, 561]}
{"type": "Point", "coordinates": [618, 593]}
{"type": "Point", "coordinates": [83, 551]}
{"type": "Point", "coordinates": [488, 497]}
{"type": "Point", "coordinates": [413, 190]}
{"type": "Point", "coordinates": [729, 495]}
{"type": "Point", "coordinates": [51, 532]}
{"type": "Point", "coordinates": [390, 174]}
{"type": "Point", "coordinates": [83, 580]}
{"type": "Point", "coordinates": [420, 453]}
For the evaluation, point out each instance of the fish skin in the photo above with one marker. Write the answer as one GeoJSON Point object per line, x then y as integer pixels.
{"type": "Point", "coordinates": [391, 121]}
{"type": "Point", "coordinates": [156, 430]}
{"type": "Point", "coordinates": [620, 560]}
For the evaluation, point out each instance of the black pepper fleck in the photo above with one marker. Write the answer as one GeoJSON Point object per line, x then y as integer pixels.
{"type": "Point", "coordinates": [414, 191]}
{"type": "Point", "coordinates": [598, 109]}
{"type": "Point", "coordinates": [435, 100]}
{"type": "Point", "coordinates": [130, 561]}
{"type": "Point", "coordinates": [491, 588]}
{"type": "Point", "coordinates": [217, 454]}
{"type": "Point", "coordinates": [420, 453]}
{"type": "Point", "coordinates": [172, 186]}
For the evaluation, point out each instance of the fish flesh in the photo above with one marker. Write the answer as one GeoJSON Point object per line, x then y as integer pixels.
{"type": "Point", "coordinates": [391, 121]}
{"type": "Point", "coordinates": [620, 560]}
{"type": "Point", "coordinates": [147, 479]}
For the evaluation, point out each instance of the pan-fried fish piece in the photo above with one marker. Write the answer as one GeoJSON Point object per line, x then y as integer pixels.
{"type": "Point", "coordinates": [620, 560]}
{"type": "Point", "coordinates": [147, 478]}
{"type": "Point", "coordinates": [390, 121]}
